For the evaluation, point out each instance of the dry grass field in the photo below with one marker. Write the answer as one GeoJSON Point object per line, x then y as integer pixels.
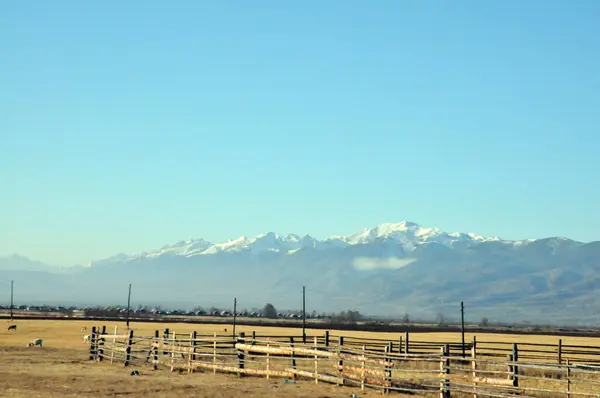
{"type": "Point", "coordinates": [62, 369]}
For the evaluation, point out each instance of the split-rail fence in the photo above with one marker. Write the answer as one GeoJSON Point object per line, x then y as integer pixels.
{"type": "Point", "coordinates": [474, 369]}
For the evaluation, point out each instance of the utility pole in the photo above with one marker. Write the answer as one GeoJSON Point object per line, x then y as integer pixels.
{"type": "Point", "coordinates": [11, 299]}
{"type": "Point", "coordinates": [304, 314]}
{"type": "Point", "coordinates": [234, 314]}
{"type": "Point", "coordinates": [462, 326]}
{"type": "Point", "coordinates": [128, 305]}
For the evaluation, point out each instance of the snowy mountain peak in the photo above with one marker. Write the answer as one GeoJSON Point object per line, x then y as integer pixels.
{"type": "Point", "coordinates": [409, 235]}
{"type": "Point", "coordinates": [406, 234]}
{"type": "Point", "coordinates": [402, 231]}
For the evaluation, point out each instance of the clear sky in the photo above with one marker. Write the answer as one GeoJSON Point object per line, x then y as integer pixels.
{"type": "Point", "coordinates": [127, 125]}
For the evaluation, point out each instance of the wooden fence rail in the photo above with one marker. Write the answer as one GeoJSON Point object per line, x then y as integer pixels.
{"type": "Point", "coordinates": [423, 368]}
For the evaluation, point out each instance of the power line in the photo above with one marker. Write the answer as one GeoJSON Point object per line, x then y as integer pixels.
{"type": "Point", "coordinates": [11, 299]}
{"type": "Point", "coordinates": [304, 314]}
{"type": "Point", "coordinates": [128, 305]}
{"type": "Point", "coordinates": [234, 314]}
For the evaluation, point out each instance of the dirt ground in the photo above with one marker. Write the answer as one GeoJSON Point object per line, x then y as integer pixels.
{"type": "Point", "coordinates": [62, 369]}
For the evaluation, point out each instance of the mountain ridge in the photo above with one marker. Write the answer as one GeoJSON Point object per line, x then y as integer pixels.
{"type": "Point", "coordinates": [389, 270]}
{"type": "Point", "coordinates": [404, 232]}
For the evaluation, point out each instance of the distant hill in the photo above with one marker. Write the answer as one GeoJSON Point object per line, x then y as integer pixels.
{"type": "Point", "coordinates": [390, 269]}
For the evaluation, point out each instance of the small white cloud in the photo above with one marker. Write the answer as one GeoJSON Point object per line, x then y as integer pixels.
{"type": "Point", "coordinates": [368, 263]}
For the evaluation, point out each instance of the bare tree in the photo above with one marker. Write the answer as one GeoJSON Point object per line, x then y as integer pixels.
{"type": "Point", "coordinates": [406, 318]}
{"type": "Point", "coordinates": [440, 319]}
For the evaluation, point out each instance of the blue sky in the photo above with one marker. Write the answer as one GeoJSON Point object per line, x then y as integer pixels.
{"type": "Point", "coordinates": [125, 126]}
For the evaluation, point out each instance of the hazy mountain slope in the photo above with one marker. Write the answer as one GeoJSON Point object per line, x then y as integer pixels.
{"type": "Point", "coordinates": [388, 269]}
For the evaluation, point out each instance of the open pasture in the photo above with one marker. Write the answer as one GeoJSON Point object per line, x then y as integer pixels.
{"type": "Point", "coordinates": [68, 334]}
{"type": "Point", "coordinates": [62, 367]}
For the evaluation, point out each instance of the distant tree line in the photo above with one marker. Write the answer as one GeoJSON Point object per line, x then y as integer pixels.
{"type": "Point", "coordinates": [268, 311]}
{"type": "Point", "coordinates": [347, 317]}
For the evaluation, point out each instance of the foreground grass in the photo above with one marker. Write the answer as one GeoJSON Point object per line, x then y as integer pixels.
{"type": "Point", "coordinates": [52, 372]}
{"type": "Point", "coordinates": [62, 369]}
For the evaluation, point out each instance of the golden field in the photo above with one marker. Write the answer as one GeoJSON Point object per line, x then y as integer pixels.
{"type": "Point", "coordinates": [62, 369]}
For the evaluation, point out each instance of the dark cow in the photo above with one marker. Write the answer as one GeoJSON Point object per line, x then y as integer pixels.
{"type": "Point", "coordinates": [12, 327]}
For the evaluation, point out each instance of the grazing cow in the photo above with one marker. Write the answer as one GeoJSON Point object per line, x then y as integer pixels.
{"type": "Point", "coordinates": [12, 327]}
{"type": "Point", "coordinates": [83, 329]}
{"type": "Point", "coordinates": [86, 338]}
{"type": "Point", "coordinates": [225, 329]}
{"type": "Point", "coordinates": [35, 342]}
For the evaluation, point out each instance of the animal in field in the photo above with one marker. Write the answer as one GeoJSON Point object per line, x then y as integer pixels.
{"type": "Point", "coordinates": [225, 329]}
{"type": "Point", "coordinates": [35, 342]}
{"type": "Point", "coordinates": [83, 329]}
{"type": "Point", "coordinates": [86, 338]}
{"type": "Point", "coordinates": [12, 327]}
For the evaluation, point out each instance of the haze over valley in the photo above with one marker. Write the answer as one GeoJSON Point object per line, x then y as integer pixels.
{"type": "Point", "coordinates": [390, 269]}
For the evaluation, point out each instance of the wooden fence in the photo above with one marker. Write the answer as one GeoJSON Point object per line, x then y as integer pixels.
{"type": "Point", "coordinates": [487, 369]}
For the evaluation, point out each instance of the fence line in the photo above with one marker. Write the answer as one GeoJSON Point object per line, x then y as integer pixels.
{"type": "Point", "coordinates": [424, 368]}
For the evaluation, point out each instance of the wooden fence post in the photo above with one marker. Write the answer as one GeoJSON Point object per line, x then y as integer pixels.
{"type": "Point", "coordinates": [400, 345]}
{"type": "Point", "coordinates": [268, 357]}
{"type": "Point", "coordinates": [341, 361]}
{"type": "Point", "coordinates": [215, 353]}
{"type": "Point", "coordinates": [172, 347]}
{"type": "Point", "coordinates": [192, 356]}
{"type": "Point", "coordinates": [515, 358]}
{"type": "Point", "coordinates": [406, 350]}
{"type": "Point", "coordinates": [101, 344]}
{"type": "Point", "coordinates": [93, 344]}
{"type": "Point", "coordinates": [444, 372]}
{"type": "Point", "coordinates": [97, 340]}
{"type": "Point", "coordinates": [165, 341]}
{"type": "Point", "coordinates": [155, 351]}
{"type": "Point", "coordinates": [559, 351]}
{"type": "Point", "coordinates": [362, 368]}
{"type": "Point", "coordinates": [568, 379]}
{"type": "Point", "coordinates": [128, 349]}
{"type": "Point", "coordinates": [474, 366]}
{"type": "Point", "coordinates": [293, 356]}
{"type": "Point", "coordinates": [240, 353]}
{"type": "Point", "coordinates": [316, 360]}
{"type": "Point", "coordinates": [195, 345]}
{"type": "Point", "coordinates": [254, 337]}
{"type": "Point", "coordinates": [388, 368]}
{"type": "Point", "coordinates": [509, 359]}
{"type": "Point", "coordinates": [114, 342]}
{"type": "Point", "coordinates": [326, 339]}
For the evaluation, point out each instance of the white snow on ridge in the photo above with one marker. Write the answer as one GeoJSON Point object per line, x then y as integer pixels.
{"type": "Point", "coordinates": [410, 234]}
{"type": "Point", "coordinates": [269, 241]}
{"type": "Point", "coordinates": [186, 247]}
{"type": "Point", "coordinates": [407, 234]}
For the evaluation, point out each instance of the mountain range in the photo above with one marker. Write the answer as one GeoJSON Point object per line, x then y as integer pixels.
{"type": "Point", "coordinates": [390, 269]}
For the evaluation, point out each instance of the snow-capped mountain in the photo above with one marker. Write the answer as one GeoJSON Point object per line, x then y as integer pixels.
{"type": "Point", "coordinates": [392, 268]}
{"type": "Point", "coordinates": [408, 235]}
